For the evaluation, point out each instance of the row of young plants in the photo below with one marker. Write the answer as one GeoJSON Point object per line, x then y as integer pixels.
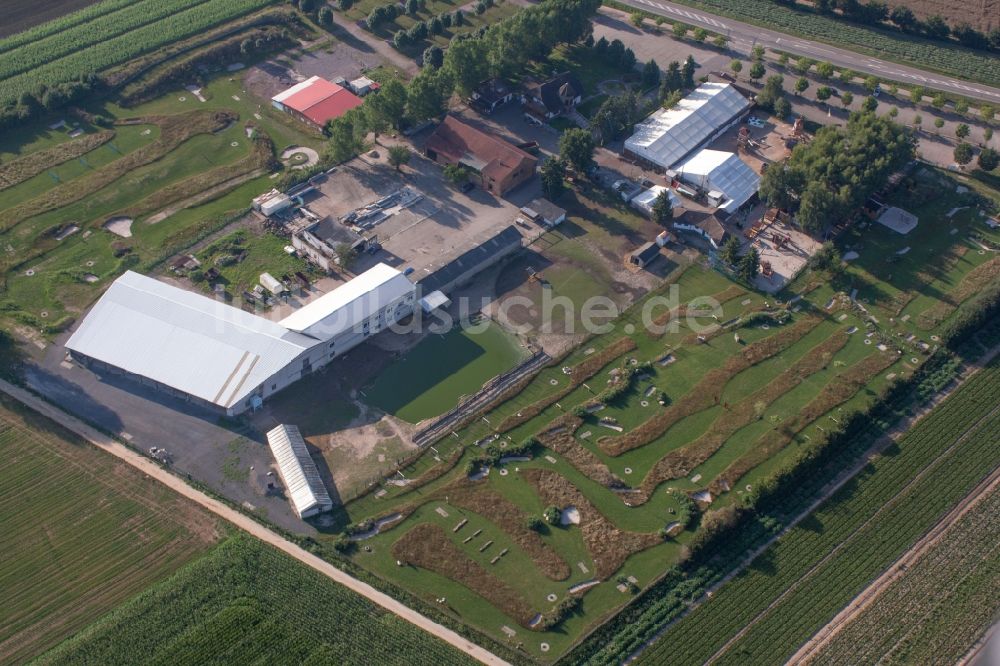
{"type": "Point", "coordinates": [934, 611]}
{"type": "Point", "coordinates": [771, 506]}
{"type": "Point", "coordinates": [222, 609]}
{"type": "Point", "coordinates": [862, 554]}
{"type": "Point", "coordinates": [110, 26]}
{"type": "Point", "coordinates": [62, 23]}
{"type": "Point", "coordinates": [138, 37]}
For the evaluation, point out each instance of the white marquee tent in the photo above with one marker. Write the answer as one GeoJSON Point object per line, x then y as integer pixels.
{"type": "Point", "coordinates": [303, 484]}
{"type": "Point", "coordinates": [667, 136]}
{"type": "Point", "coordinates": [724, 172]}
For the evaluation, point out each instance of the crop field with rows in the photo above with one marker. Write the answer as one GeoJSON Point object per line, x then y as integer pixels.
{"type": "Point", "coordinates": [247, 603]}
{"type": "Point", "coordinates": [792, 589]}
{"type": "Point", "coordinates": [82, 533]}
{"type": "Point", "coordinates": [939, 607]}
{"type": "Point", "coordinates": [105, 35]}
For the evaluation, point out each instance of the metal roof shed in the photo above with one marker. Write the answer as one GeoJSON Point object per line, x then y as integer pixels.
{"type": "Point", "coordinates": [350, 304]}
{"type": "Point", "coordinates": [303, 483]}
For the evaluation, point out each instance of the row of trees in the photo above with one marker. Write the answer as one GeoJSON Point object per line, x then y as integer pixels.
{"type": "Point", "coordinates": [903, 18]}
{"type": "Point", "coordinates": [838, 170]}
{"type": "Point", "coordinates": [501, 50]}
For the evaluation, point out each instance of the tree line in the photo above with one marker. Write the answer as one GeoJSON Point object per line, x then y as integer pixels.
{"type": "Point", "coordinates": [502, 50]}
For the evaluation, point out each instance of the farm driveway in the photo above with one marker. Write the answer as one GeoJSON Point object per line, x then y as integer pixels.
{"type": "Point", "coordinates": [247, 524]}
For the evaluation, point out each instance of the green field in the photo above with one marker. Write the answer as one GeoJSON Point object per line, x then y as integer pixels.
{"type": "Point", "coordinates": [432, 377]}
{"type": "Point", "coordinates": [160, 195]}
{"type": "Point", "coordinates": [247, 603]}
{"type": "Point", "coordinates": [82, 532]}
{"type": "Point", "coordinates": [882, 42]}
{"type": "Point", "coordinates": [740, 406]}
{"type": "Point", "coordinates": [798, 584]}
{"type": "Point", "coordinates": [105, 35]}
{"type": "Point", "coordinates": [935, 611]}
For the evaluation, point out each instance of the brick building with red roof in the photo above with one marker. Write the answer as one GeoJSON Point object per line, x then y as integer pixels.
{"type": "Point", "coordinates": [501, 165]}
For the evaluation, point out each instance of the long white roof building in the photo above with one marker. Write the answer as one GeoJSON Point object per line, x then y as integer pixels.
{"type": "Point", "coordinates": [669, 135]}
{"type": "Point", "coordinates": [184, 340]}
{"type": "Point", "coordinates": [723, 172]}
{"type": "Point", "coordinates": [220, 355]}
{"type": "Point", "coordinates": [351, 303]}
{"type": "Point", "coordinates": [303, 483]}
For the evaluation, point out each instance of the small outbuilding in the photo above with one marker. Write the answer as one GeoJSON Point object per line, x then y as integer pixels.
{"type": "Point", "coordinates": [642, 256]}
{"type": "Point", "coordinates": [544, 212]}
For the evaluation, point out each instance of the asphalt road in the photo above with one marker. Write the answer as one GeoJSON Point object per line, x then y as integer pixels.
{"type": "Point", "coordinates": [743, 36]}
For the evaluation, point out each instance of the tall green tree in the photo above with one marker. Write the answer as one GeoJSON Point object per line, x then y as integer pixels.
{"type": "Point", "coordinates": [576, 146]}
{"type": "Point", "coordinates": [749, 266]}
{"type": "Point", "coordinates": [663, 211]}
{"type": "Point", "coordinates": [730, 251]}
{"type": "Point", "coordinates": [398, 156]}
{"type": "Point", "coordinates": [688, 71]}
{"type": "Point", "coordinates": [553, 177]}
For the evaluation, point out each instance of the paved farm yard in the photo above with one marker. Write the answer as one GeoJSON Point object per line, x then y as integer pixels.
{"type": "Point", "coordinates": [83, 533]}
{"type": "Point", "coordinates": [430, 379]}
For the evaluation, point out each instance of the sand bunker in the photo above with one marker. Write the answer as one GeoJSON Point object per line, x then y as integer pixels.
{"type": "Point", "coordinates": [570, 516]}
{"type": "Point", "coordinates": [120, 226]}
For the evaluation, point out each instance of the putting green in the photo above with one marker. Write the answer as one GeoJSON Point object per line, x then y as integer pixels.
{"type": "Point", "coordinates": [431, 377]}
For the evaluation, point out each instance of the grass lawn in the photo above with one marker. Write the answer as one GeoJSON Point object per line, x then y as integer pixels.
{"type": "Point", "coordinates": [57, 290]}
{"type": "Point", "coordinates": [253, 254]}
{"type": "Point", "coordinates": [84, 533]}
{"type": "Point", "coordinates": [589, 107]}
{"type": "Point", "coordinates": [432, 377]}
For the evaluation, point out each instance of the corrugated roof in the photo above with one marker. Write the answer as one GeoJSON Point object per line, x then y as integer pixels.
{"type": "Point", "coordinates": [185, 340]}
{"type": "Point", "coordinates": [333, 106]}
{"type": "Point", "coordinates": [722, 171]}
{"type": "Point", "coordinates": [318, 99]}
{"type": "Point", "coordinates": [303, 483]}
{"type": "Point", "coordinates": [443, 276]}
{"type": "Point", "coordinates": [350, 303]}
{"type": "Point", "coordinates": [669, 135]}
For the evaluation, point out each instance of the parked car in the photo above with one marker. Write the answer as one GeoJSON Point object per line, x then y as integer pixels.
{"type": "Point", "coordinates": [754, 121]}
{"type": "Point", "coordinates": [466, 186]}
{"type": "Point", "coordinates": [531, 120]}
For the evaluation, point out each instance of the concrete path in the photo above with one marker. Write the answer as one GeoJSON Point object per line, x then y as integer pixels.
{"type": "Point", "coordinates": [743, 36]}
{"type": "Point", "coordinates": [248, 524]}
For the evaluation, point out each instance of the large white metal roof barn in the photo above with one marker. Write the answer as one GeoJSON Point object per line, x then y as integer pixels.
{"type": "Point", "coordinates": [669, 135]}
{"type": "Point", "coordinates": [184, 340]}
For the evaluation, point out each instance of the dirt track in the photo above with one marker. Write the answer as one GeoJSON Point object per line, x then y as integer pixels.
{"type": "Point", "coordinates": [247, 524]}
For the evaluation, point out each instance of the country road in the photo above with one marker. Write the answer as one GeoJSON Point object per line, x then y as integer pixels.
{"type": "Point", "coordinates": [743, 36]}
{"type": "Point", "coordinates": [248, 524]}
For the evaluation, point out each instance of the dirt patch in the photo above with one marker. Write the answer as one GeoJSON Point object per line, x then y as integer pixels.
{"type": "Point", "coordinates": [608, 546]}
{"type": "Point", "coordinates": [682, 462]}
{"type": "Point", "coordinates": [974, 281]}
{"type": "Point", "coordinates": [427, 546]}
{"type": "Point", "coordinates": [705, 394]}
{"type": "Point", "coordinates": [558, 436]}
{"type": "Point", "coordinates": [500, 511]}
{"type": "Point", "coordinates": [120, 226]}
